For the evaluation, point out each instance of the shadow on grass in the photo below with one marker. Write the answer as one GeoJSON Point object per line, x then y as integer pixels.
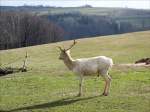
{"type": "Point", "coordinates": [62, 102]}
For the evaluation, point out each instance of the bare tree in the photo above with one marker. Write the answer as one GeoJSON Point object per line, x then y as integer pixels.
{"type": "Point", "coordinates": [23, 29]}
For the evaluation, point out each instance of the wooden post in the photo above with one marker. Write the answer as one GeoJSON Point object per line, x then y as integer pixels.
{"type": "Point", "coordinates": [24, 68]}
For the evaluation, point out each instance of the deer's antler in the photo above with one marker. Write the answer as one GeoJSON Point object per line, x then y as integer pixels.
{"type": "Point", "coordinates": [60, 48]}
{"type": "Point", "coordinates": [74, 42]}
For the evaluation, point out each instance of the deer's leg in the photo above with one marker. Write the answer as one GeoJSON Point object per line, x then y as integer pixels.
{"type": "Point", "coordinates": [80, 85]}
{"type": "Point", "coordinates": [107, 79]}
{"type": "Point", "coordinates": [105, 88]}
{"type": "Point", "coordinates": [109, 84]}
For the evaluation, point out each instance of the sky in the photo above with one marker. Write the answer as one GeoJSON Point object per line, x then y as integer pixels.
{"type": "Point", "coordinates": [137, 4]}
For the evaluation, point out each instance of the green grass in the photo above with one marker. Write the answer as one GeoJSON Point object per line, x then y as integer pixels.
{"type": "Point", "coordinates": [49, 86]}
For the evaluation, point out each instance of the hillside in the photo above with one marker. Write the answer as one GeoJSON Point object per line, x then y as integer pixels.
{"type": "Point", "coordinates": [103, 11]}
{"type": "Point", "coordinates": [122, 48]}
{"type": "Point", "coordinates": [35, 25]}
{"type": "Point", "coordinates": [50, 86]}
{"type": "Point", "coordinates": [79, 22]}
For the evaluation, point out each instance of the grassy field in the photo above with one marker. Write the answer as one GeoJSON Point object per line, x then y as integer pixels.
{"type": "Point", "coordinates": [89, 11]}
{"type": "Point", "coordinates": [49, 86]}
{"type": "Point", "coordinates": [102, 11]}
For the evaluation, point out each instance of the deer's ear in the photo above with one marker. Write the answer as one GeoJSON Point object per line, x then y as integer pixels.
{"type": "Point", "coordinates": [63, 50]}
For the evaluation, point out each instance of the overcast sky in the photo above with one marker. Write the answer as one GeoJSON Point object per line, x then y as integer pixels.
{"type": "Point", "coordinates": [138, 4]}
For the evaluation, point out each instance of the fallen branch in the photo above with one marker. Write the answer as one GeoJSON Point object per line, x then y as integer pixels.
{"type": "Point", "coordinates": [9, 70]}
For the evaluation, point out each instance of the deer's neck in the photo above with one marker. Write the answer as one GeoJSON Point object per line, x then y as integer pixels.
{"type": "Point", "coordinates": [69, 61]}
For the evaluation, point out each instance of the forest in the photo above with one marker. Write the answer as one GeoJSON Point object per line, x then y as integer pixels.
{"type": "Point", "coordinates": [21, 29]}
{"type": "Point", "coordinates": [27, 26]}
{"type": "Point", "coordinates": [77, 25]}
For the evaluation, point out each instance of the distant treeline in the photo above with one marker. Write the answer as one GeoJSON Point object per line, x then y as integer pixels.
{"type": "Point", "coordinates": [77, 25]}
{"type": "Point", "coordinates": [20, 29]}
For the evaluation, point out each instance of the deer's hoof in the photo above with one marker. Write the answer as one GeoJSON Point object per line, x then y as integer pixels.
{"type": "Point", "coordinates": [78, 95]}
{"type": "Point", "coordinates": [105, 94]}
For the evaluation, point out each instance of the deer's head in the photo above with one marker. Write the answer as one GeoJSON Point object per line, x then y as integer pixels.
{"type": "Point", "coordinates": [64, 52]}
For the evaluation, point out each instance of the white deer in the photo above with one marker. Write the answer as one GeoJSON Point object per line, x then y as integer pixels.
{"type": "Point", "coordinates": [99, 65]}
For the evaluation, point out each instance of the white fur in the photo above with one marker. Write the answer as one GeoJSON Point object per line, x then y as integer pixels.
{"type": "Point", "coordinates": [91, 66]}
{"type": "Point", "coordinates": [99, 65]}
